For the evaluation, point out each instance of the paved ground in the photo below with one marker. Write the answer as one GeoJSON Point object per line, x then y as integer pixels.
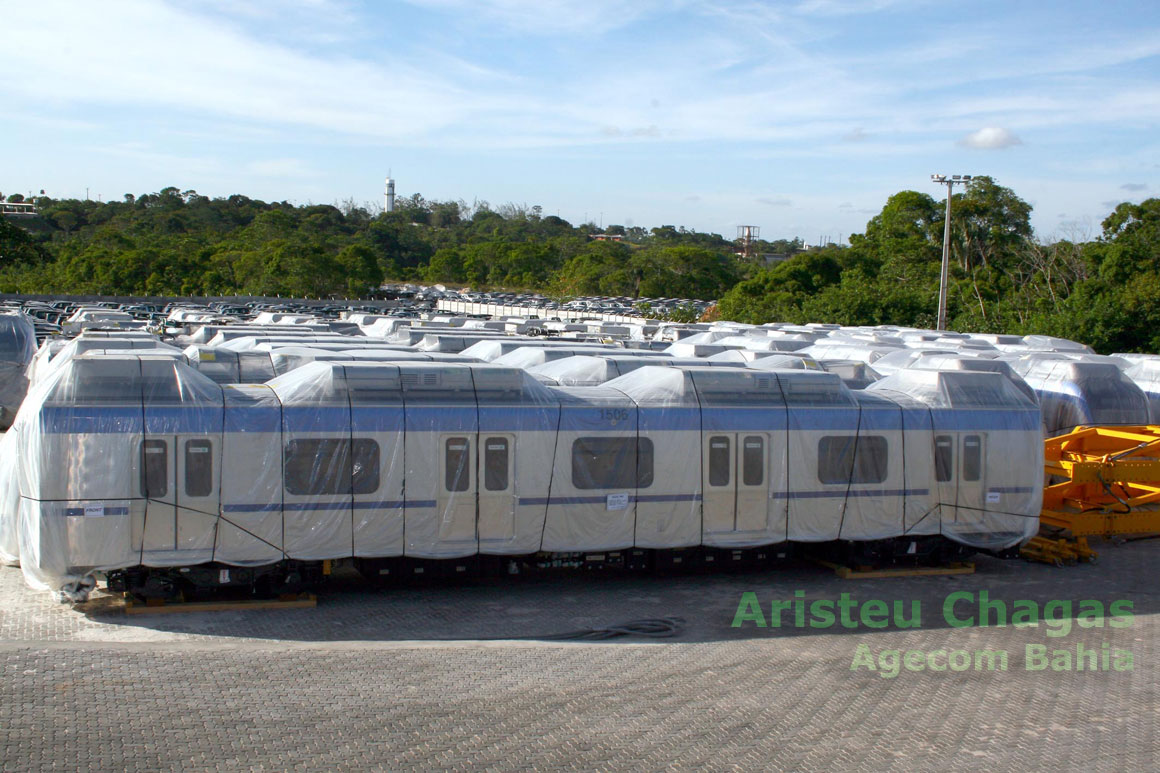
{"type": "Point", "coordinates": [376, 679]}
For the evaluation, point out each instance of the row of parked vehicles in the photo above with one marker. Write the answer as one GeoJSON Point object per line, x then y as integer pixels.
{"type": "Point", "coordinates": [249, 454]}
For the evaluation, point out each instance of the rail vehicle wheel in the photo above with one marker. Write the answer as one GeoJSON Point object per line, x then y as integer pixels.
{"type": "Point", "coordinates": [160, 588]}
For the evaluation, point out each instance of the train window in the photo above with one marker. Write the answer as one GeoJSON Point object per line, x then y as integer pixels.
{"type": "Point", "coordinates": [944, 454]}
{"type": "Point", "coordinates": [198, 468]}
{"type": "Point", "coordinates": [846, 459]}
{"type": "Point", "coordinates": [972, 457]}
{"type": "Point", "coordinates": [719, 463]}
{"type": "Point", "coordinates": [495, 464]}
{"type": "Point", "coordinates": [364, 474]}
{"type": "Point", "coordinates": [456, 464]}
{"type": "Point", "coordinates": [610, 462]}
{"type": "Point", "coordinates": [321, 467]}
{"type": "Point", "coordinates": [154, 469]}
{"type": "Point", "coordinates": [753, 460]}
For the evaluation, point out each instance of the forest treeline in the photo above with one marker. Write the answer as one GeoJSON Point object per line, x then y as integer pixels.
{"type": "Point", "coordinates": [1099, 288]}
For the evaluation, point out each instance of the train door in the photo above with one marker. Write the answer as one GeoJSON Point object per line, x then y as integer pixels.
{"type": "Point", "coordinates": [497, 489]}
{"type": "Point", "coordinates": [752, 482]}
{"type": "Point", "coordinates": [157, 486]}
{"type": "Point", "coordinates": [458, 487]}
{"type": "Point", "coordinates": [197, 474]}
{"type": "Point", "coordinates": [719, 490]}
{"type": "Point", "coordinates": [946, 479]}
{"type": "Point", "coordinates": [972, 486]}
{"type": "Point", "coordinates": [736, 481]}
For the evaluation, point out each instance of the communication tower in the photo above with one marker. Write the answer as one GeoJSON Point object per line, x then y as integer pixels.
{"type": "Point", "coordinates": [746, 235]}
{"type": "Point", "coordinates": [389, 196]}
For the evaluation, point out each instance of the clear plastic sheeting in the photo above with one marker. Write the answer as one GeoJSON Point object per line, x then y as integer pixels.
{"type": "Point", "coordinates": [9, 499]}
{"type": "Point", "coordinates": [667, 499]}
{"type": "Point", "coordinates": [983, 442]}
{"type": "Point", "coordinates": [530, 356]}
{"type": "Point", "coordinates": [1076, 393]}
{"type": "Point", "coordinates": [17, 348]}
{"type": "Point", "coordinates": [121, 500]}
{"type": "Point", "coordinates": [784, 362]}
{"type": "Point", "coordinates": [1144, 372]}
{"type": "Point", "coordinates": [762, 343]}
{"type": "Point", "coordinates": [40, 361]}
{"type": "Point", "coordinates": [956, 361]}
{"type": "Point", "coordinates": [90, 343]}
{"type": "Point", "coordinates": [167, 467]}
{"type": "Point", "coordinates": [1053, 344]}
{"type": "Point", "coordinates": [491, 350]}
{"type": "Point", "coordinates": [849, 349]}
{"type": "Point", "coordinates": [902, 359]}
{"type": "Point", "coordinates": [684, 349]}
{"type": "Point", "coordinates": [854, 374]}
{"type": "Point", "coordinates": [740, 356]}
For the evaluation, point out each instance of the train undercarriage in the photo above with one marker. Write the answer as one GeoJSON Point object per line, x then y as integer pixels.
{"type": "Point", "coordinates": [285, 578]}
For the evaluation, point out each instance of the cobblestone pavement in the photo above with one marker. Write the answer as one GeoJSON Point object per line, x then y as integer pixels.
{"type": "Point", "coordinates": [417, 677]}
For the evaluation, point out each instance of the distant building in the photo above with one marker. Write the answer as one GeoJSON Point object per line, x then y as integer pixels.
{"type": "Point", "coordinates": [18, 208]}
{"type": "Point", "coordinates": [773, 258]}
{"type": "Point", "coordinates": [389, 196]}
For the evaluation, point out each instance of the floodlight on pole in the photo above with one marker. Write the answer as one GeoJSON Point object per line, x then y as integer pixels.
{"type": "Point", "coordinates": [949, 181]}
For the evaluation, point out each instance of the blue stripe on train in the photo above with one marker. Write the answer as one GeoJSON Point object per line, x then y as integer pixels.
{"type": "Point", "coordinates": [190, 420]}
{"type": "Point", "coordinates": [603, 499]}
{"type": "Point", "coordinates": [843, 494]}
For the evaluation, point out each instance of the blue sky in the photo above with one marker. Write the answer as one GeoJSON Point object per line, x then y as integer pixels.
{"type": "Point", "coordinates": [800, 117]}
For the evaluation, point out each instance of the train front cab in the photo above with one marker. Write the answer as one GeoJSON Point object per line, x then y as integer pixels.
{"type": "Point", "coordinates": [178, 464]}
{"type": "Point", "coordinates": [118, 467]}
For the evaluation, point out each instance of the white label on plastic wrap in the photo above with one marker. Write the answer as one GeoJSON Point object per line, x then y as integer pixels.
{"type": "Point", "coordinates": [993, 497]}
{"type": "Point", "coordinates": [94, 511]}
{"type": "Point", "coordinates": [223, 576]}
{"type": "Point", "coordinates": [617, 502]}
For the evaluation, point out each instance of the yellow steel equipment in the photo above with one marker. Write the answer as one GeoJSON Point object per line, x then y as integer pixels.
{"type": "Point", "coordinates": [1102, 481]}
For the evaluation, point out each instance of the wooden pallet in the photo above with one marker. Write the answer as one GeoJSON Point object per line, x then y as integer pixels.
{"type": "Point", "coordinates": [868, 573]}
{"type": "Point", "coordinates": [299, 601]}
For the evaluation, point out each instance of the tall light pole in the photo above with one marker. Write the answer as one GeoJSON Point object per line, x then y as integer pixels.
{"type": "Point", "coordinates": [949, 181]}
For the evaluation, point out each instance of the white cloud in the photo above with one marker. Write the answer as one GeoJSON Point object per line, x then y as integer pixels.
{"type": "Point", "coordinates": [1135, 187]}
{"type": "Point", "coordinates": [144, 54]}
{"type": "Point", "coordinates": [991, 138]}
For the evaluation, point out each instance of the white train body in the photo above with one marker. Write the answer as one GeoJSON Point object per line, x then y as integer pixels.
{"type": "Point", "coordinates": [129, 460]}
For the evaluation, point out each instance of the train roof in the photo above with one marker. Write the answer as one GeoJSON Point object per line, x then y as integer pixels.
{"type": "Point", "coordinates": [126, 377]}
{"type": "Point", "coordinates": [423, 382]}
{"type": "Point", "coordinates": [956, 389]}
